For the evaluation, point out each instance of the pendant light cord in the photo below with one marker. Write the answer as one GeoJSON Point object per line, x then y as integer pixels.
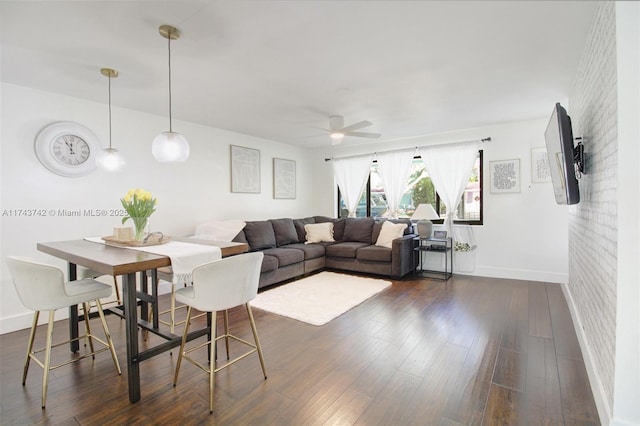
{"type": "Point", "coordinates": [109, 110]}
{"type": "Point", "coordinates": [169, 47]}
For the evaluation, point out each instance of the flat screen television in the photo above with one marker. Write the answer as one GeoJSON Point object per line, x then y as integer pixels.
{"type": "Point", "coordinates": [560, 155]}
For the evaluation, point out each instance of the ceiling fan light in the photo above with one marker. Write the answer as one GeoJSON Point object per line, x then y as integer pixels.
{"type": "Point", "coordinates": [109, 159]}
{"type": "Point", "coordinates": [170, 146]}
{"type": "Point", "coordinates": [337, 135]}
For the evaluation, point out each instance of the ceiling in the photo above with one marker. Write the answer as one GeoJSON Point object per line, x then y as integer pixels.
{"type": "Point", "coordinates": [278, 69]}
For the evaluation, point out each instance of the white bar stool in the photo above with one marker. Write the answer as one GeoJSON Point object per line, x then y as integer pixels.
{"type": "Point", "coordinates": [41, 287]}
{"type": "Point", "coordinates": [219, 286]}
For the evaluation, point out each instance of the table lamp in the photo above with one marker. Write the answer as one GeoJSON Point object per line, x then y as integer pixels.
{"type": "Point", "coordinates": [423, 216]}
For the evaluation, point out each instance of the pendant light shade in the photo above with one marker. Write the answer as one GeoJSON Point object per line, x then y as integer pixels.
{"type": "Point", "coordinates": [170, 146]}
{"type": "Point", "coordinates": [109, 159]}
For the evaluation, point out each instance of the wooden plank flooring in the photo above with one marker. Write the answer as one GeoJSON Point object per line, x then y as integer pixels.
{"type": "Point", "coordinates": [470, 351]}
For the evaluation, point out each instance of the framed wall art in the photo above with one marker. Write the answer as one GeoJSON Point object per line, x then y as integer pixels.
{"type": "Point", "coordinates": [505, 176]}
{"type": "Point", "coordinates": [245, 170]}
{"type": "Point", "coordinates": [540, 166]}
{"type": "Point", "coordinates": [284, 178]}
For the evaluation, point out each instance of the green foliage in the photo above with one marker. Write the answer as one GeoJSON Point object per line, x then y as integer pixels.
{"type": "Point", "coordinates": [423, 192]}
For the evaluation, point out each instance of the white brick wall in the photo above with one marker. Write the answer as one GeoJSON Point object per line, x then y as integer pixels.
{"type": "Point", "coordinates": [593, 222]}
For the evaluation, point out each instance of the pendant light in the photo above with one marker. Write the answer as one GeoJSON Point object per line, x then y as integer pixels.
{"type": "Point", "coordinates": [110, 159]}
{"type": "Point", "coordinates": [170, 146]}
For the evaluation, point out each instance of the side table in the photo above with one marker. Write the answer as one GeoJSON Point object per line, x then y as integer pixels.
{"type": "Point", "coordinates": [441, 246]}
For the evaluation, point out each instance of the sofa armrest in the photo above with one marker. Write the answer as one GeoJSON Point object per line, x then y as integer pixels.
{"type": "Point", "coordinates": [402, 256]}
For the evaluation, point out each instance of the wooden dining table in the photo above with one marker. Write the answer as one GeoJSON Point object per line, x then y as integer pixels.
{"type": "Point", "coordinates": [119, 261]}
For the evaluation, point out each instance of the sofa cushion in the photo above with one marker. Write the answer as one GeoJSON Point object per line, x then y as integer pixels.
{"type": "Point", "coordinates": [285, 256]}
{"type": "Point", "coordinates": [374, 253]}
{"type": "Point", "coordinates": [311, 251]}
{"type": "Point", "coordinates": [319, 232]}
{"type": "Point", "coordinates": [260, 235]}
{"type": "Point", "coordinates": [269, 263]}
{"type": "Point", "coordinates": [344, 249]}
{"type": "Point", "coordinates": [285, 231]}
{"type": "Point", "coordinates": [358, 229]}
{"type": "Point", "coordinates": [338, 225]}
{"type": "Point", "coordinates": [389, 232]}
{"type": "Point", "coordinates": [240, 238]}
{"type": "Point", "coordinates": [299, 225]}
{"type": "Point", "coordinates": [338, 228]}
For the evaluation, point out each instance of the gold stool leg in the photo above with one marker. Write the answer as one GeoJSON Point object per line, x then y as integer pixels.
{"type": "Point", "coordinates": [107, 334]}
{"type": "Point", "coordinates": [255, 337]}
{"type": "Point", "coordinates": [184, 342]}
{"type": "Point", "coordinates": [87, 327]}
{"type": "Point", "coordinates": [115, 284]}
{"type": "Point", "coordinates": [212, 368]}
{"type": "Point", "coordinates": [226, 330]}
{"type": "Point", "coordinates": [47, 358]}
{"type": "Point", "coordinates": [32, 336]}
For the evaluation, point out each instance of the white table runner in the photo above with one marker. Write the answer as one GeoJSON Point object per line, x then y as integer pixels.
{"type": "Point", "coordinates": [185, 257]}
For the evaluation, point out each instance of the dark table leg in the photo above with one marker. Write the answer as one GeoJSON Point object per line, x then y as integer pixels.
{"type": "Point", "coordinates": [73, 313]}
{"type": "Point", "coordinates": [131, 324]}
{"type": "Point", "coordinates": [154, 295]}
{"type": "Point", "coordinates": [144, 287]}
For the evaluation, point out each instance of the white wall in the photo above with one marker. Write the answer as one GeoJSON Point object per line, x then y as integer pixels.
{"type": "Point", "coordinates": [626, 409]}
{"type": "Point", "coordinates": [188, 193]}
{"type": "Point", "coordinates": [524, 235]}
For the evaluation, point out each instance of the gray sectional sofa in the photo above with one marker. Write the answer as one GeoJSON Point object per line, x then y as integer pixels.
{"type": "Point", "coordinates": [287, 254]}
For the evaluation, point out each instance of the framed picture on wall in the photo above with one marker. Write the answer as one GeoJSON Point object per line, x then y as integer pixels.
{"type": "Point", "coordinates": [540, 166]}
{"type": "Point", "coordinates": [245, 170]}
{"type": "Point", "coordinates": [505, 176]}
{"type": "Point", "coordinates": [284, 178]}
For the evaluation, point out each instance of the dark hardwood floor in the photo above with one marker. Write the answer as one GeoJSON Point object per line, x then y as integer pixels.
{"type": "Point", "coordinates": [470, 351]}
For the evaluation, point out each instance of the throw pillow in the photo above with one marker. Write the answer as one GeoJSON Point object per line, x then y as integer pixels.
{"type": "Point", "coordinates": [260, 235]}
{"type": "Point", "coordinates": [319, 232]}
{"type": "Point", "coordinates": [299, 224]}
{"type": "Point", "coordinates": [389, 232]}
{"type": "Point", "coordinates": [285, 231]}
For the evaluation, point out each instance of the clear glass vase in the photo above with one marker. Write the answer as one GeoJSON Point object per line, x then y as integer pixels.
{"type": "Point", "coordinates": [140, 228]}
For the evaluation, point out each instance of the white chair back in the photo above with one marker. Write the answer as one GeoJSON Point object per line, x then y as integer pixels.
{"type": "Point", "coordinates": [40, 286]}
{"type": "Point", "coordinates": [226, 283]}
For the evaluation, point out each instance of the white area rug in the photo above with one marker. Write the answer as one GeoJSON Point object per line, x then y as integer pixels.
{"type": "Point", "coordinates": [319, 298]}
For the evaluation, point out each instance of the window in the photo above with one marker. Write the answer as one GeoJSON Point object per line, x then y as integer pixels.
{"type": "Point", "coordinates": [420, 190]}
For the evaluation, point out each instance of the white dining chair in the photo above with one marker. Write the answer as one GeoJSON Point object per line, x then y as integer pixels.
{"type": "Point", "coordinates": [219, 286]}
{"type": "Point", "coordinates": [42, 287]}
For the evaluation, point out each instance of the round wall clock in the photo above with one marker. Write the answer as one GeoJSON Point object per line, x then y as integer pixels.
{"type": "Point", "coordinates": [67, 149]}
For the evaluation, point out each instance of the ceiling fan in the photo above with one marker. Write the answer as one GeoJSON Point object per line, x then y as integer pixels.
{"type": "Point", "coordinates": [338, 131]}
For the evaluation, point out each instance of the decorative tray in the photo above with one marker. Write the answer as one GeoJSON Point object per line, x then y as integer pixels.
{"type": "Point", "coordinates": [151, 240]}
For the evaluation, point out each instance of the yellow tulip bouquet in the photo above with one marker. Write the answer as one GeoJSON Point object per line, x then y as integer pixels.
{"type": "Point", "coordinates": [139, 204]}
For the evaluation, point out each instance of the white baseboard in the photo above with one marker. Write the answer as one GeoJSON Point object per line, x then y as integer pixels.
{"type": "Point", "coordinates": [599, 395]}
{"type": "Point", "coordinates": [520, 274]}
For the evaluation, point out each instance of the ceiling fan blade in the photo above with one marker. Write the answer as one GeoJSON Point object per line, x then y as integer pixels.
{"type": "Point", "coordinates": [363, 134]}
{"type": "Point", "coordinates": [358, 125]}
{"type": "Point", "coordinates": [336, 122]}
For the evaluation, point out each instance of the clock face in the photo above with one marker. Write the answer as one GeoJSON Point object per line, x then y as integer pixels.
{"type": "Point", "coordinates": [67, 149]}
{"type": "Point", "coordinates": [70, 150]}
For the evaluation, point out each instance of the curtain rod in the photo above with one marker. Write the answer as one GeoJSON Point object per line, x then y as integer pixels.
{"type": "Point", "coordinates": [487, 139]}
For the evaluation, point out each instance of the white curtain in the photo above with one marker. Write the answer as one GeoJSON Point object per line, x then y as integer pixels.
{"type": "Point", "coordinates": [450, 167]}
{"type": "Point", "coordinates": [394, 169]}
{"type": "Point", "coordinates": [351, 175]}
